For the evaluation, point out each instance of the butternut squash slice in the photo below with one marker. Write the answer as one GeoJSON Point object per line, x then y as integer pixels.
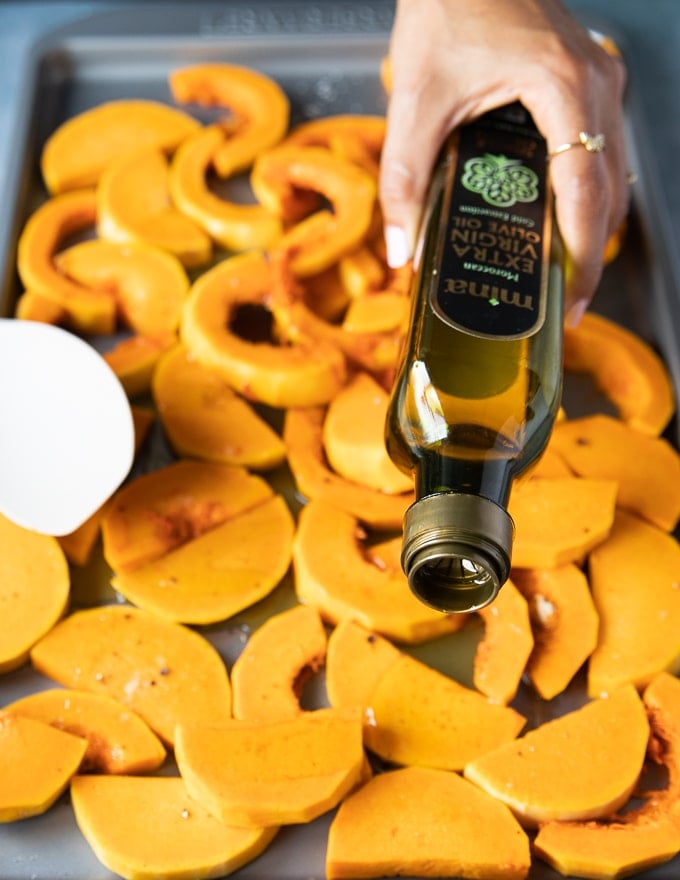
{"type": "Point", "coordinates": [626, 369]}
{"type": "Point", "coordinates": [86, 310]}
{"type": "Point", "coordinates": [219, 573]}
{"type": "Point", "coordinates": [205, 418]}
{"type": "Point", "coordinates": [354, 437]}
{"type": "Point", "coordinates": [582, 765]}
{"type": "Point", "coordinates": [134, 205]}
{"type": "Point", "coordinates": [647, 468]}
{"type": "Point", "coordinates": [161, 670]}
{"type": "Point", "coordinates": [148, 284]}
{"type": "Point", "coordinates": [362, 271]}
{"type": "Point", "coordinates": [32, 306]}
{"type": "Point", "coordinates": [321, 239]}
{"type": "Point", "coordinates": [133, 359]}
{"type": "Point", "coordinates": [258, 774]}
{"type": "Point", "coordinates": [564, 622]}
{"type": "Point", "coordinates": [235, 226]}
{"type": "Point", "coordinates": [145, 828]}
{"type": "Point", "coordinates": [307, 373]}
{"type": "Point", "coordinates": [560, 520]}
{"type": "Point", "coordinates": [502, 653]}
{"type": "Point", "coordinates": [77, 152]}
{"type": "Point", "coordinates": [303, 437]}
{"type": "Point", "coordinates": [118, 740]}
{"type": "Point", "coordinates": [641, 837]}
{"type": "Point", "coordinates": [422, 822]}
{"type": "Point", "coordinates": [258, 108]}
{"type": "Point", "coordinates": [278, 658]}
{"type": "Point", "coordinates": [358, 138]}
{"type": "Point", "coordinates": [419, 716]}
{"type": "Point", "coordinates": [355, 660]}
{"type": "Point", "coordinates": [163, 509]}
{"type": "Point", "coordinates": [36, 765]}
{"type": "Point", "coordinates": [34, 590]}
{"type": "Point", "coordinates": [382, 312]}
{"type": "Point", "coordinates": [635, 581]}
{"type": "Point", "coordinates": [334, 574]}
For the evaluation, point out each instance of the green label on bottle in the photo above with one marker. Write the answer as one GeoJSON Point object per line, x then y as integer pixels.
{"type": "Point", "coordinates": [492, 270]}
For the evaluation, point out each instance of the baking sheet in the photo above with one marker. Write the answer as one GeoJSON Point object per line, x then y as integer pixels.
{"type": "Point", "coordinates": [327, 58]}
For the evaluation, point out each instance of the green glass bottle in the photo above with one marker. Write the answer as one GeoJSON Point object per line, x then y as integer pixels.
{"type": "Point", "coordinates": [480, 380]}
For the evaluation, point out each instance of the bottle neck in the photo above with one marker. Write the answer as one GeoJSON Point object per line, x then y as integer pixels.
{"type": "Point", "coordinates": [489, 476]}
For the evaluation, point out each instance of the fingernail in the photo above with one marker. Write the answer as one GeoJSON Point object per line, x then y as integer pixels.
{"type": "Point", "coordinates": [575, 313]}
{"type": "Point", "coordinates": [398, 251]}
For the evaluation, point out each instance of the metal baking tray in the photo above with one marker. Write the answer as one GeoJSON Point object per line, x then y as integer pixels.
{"type": "Point", "coordinates": [327, 57]}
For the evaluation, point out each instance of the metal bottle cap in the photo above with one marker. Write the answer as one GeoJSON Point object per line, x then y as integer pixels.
{"type": "Point", "coordinates": [456, 550]}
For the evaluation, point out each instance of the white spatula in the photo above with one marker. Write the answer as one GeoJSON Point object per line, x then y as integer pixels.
{"type": "Point", "coordinates": [66, 431]}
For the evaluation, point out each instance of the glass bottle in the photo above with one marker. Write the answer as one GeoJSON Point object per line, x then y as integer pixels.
{"type": "Point", "coordinates": [480, 380]}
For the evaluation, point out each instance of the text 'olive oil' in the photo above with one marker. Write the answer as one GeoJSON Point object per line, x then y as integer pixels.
{"type": "Point", "coordinates": [480, 382]}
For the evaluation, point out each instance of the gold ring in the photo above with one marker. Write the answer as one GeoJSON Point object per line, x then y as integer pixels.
{"type": "Point", "coordinates": [593, 143]}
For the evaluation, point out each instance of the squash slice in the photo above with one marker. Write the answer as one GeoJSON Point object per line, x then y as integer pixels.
{"type": "Point", "coordinates": [34, 590]}
{"type": "Point", "coordinates": [36, 765]}
{"type": "Point", "coordinates": [582, 765]}
{"type": "Point", "coordinates": [383, 312]}
{"type": "Point", "coordinates": [307, 373]}
{"type": "Point", "coordinates": [335, 574]}
{"type": "Point", "coordinates": [422, 822]}
{"type": "Point", "coordinates": [354, 437]}
{"type": "Point", "coordinates": [356, 658]}
{"type": "Point", "coordinates": [79, 150]}
{"type": "Point", "coordinates": [278, 658]}
{"type": "Point", "coordinates": [643, 836]}
{"type": "Point", "coordinates": [219, 573]}
{"type": "Point", "coordinates": [560, 520]}
{"type": "Point", "coordinates": [134, 205]}
{"type": "Point", "coordinates": [163, 509]}
{"type": "Point", "coordinates": [146, 828]}
{"type": "Point", "coordinates": [133, 359]}
{"type": "Point", "coordinates": [647, 468]}
{"type": "Point", "coordinates": [419, 716]}
{"type": "Point", "coordinates": [358, 138]}
{"type": "Point", "coordinates": [278, 773]}
{"type": "Point", "coordinates": [85, 310]}
{"type": "Point", "coordinates": [564, 622]}
{"type": "Point", "coordinates": [303, 437]}
{"type": "Point", "coordinates": [118, 741]}
{"type": "Point", "coordinates": [625, 368]}
{"type": "Point", "coordinates": [205, 418]}
{"type": "Point", "coordinates": [635, 581]}
{"type": "Point", "coordinates": [161, 670]}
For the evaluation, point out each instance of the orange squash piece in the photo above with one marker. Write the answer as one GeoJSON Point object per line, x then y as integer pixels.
{"type": "Point", "coordinates": [215, 575]}
{"type": "Point", "coordinates": [118, 740]}
{"type": "Point", "coordinates": [163, 509]}
{"type": "Point", "coordinates": [303, 437]}
{"type": "Point", "coordinates": [334, 574]}
{"type": "Point", "coordinates": [32, 306]}
{"type": "Point", "coordinates": [133, 359]}
{"type": "Point", "coordinates": [79, 545]}
{"type": "Point", "coordinates": [143, 828]}
{"type": "Point", "coordinates": [565, 625]}
{"type": "Point", "coordinates": [36, 765]}
{"type": "Point", "coordinates": [625, 368]}
{"type": "Point", "coordinates": [383, 312]}
{"type": "Point", "coordinates": [635, 581]}
{"type": "Point", "coordinates": [647, 468]}
{"type": "Point", "coordinates": [159, 669]}
{"type": "Point", "coordinates": [502, 653]}
{"type": "Point", "coordinates": [422, 822]}
{"type": "Point", "coordinates": [560, 520]}
{"type": "Point", "coordinates": [356, 658]}
{"type": "Point", "coordinates": [86, 310]}
{"type": "Point", "coordinates": [134, 205]}
{"type": "Point", "coordinates": [34, 590]}
{"type": "Point", "coordinates": [205, 418]}
{"type": "Point", "coordinates": [257, 774]}
{"type": "Point", "coordinates": [419, 716]}
{"type": "Point", "coordinates": [582, 765]}
{"type": "Point", "coordinates": [358, 138]}
{"type": "Point", "coordinates": [362, 271]}
{"type": "Point", "coordinates": [643, 836]}
{"type": "Point", "coordinates": [258, 108]}
{"type": "Point", "coordinates": [278, 658]}
{"type": "Point", "coordinates": [78, 151]}
{"type": "Point", "coordinates": [307, 373]}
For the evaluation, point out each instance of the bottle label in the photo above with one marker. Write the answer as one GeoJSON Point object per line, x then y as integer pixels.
{"type": "Point", "coordinates": [492, 268]}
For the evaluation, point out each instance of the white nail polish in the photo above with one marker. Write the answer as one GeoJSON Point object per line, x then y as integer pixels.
{"type": "Point", "coordinates": [398, 253]}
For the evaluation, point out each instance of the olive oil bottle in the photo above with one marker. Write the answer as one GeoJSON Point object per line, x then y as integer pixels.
{"type": "Point", "coordinates": [480, 381]}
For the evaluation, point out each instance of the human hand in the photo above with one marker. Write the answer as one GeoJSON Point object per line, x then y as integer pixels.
{"type": "Point", "coordinates": [452, 60]}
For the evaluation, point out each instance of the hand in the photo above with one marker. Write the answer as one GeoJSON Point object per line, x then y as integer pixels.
{"type": "Point", "coordinates": [452, 60]}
